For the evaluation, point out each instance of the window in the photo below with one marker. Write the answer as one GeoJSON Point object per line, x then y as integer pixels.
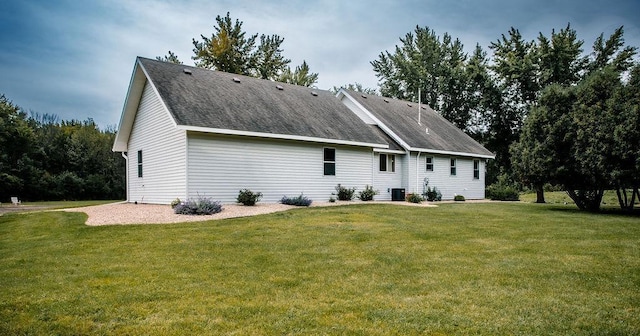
{"type": "Point", "coordinates": [429, 163]}
{"type": "Point", "coordinates": [476, 169]}
{"type": "Point", "coordinates": [139, 163]}
{"type": "Point", "coordinates": [387, 163]}
{"type": "Point", "coordinates": [329, 161]}
{"type": "Point", "coordinates": [453, 167]}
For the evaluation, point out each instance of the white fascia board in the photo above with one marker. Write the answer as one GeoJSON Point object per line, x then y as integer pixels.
{"type": "Point", "coordinates": [341, 93]}
{"type": "Point", "coordinates": [131, 102]}
{"type": "Point", "coordinates": [134, 94]}
{"type": "Point", "coordinates": [443, 152]}
{"type": "Point", "coordinates": [155, 90]}
{"type": "Point", "coordinates": [390, 151]}
{"type": "Point", "coordinates": [280, 136]}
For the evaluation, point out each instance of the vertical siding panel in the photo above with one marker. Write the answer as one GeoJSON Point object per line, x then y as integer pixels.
{"type": "Point", "coordinates": [163, 153]}
{"type": "Point", "coordinates": [221, 165]}
{"type": "Point", "coordinates": [385, 181]}
{"type": "Point", "coordinates": [462, 183]}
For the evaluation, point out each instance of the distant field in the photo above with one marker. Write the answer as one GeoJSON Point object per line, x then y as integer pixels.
{"type": "Point", "coordinates": [463, 268]}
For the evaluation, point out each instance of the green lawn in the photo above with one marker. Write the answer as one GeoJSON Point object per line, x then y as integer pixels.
{"type": "Point", "coordinates": [494, 268]}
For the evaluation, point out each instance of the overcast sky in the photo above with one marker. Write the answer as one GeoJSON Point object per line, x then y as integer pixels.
{"type": "Point", "coordinates": [74, 58]}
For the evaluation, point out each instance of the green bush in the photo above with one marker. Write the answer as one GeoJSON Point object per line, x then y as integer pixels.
{"type": "Point", "coordinates": [199, 206]}
{"type": "Point", "coordinates": [297, 201]}
{"type": "Point", "coordinates": [248, 197]}
{"type": "Point", "coordinates": [501, 192]}
{"type": "Point", "coordinates": [414, 198]}
{"type": "Point", "coordinates": [345, 194]}
{"type": "Point", "coordinates": [175, 202]}
{"type": "Point", "coordinates": [458, 198]}
{"type": "Point", "coordinates": [504, 189]}
{"type": "Point", "coordinates": [367, 194]}
{"type": "Point", "coordinates": [433, 194]}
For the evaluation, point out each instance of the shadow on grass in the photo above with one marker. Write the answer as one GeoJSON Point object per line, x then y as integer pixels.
{"type": "Point", "coordinates": [606, 211]}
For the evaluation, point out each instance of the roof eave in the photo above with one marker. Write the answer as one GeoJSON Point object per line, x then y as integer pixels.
{"type": "Point", "coordinates": [132, 100]}
{"type": "Point", "coordinates": [453, 153]}
{"type": "Point", "coordinates": [281, 136]}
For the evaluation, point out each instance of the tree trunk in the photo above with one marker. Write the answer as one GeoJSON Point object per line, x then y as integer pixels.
{"type": "Point", "coordinates": [588, 200]}
{"type": "Point", "coordinates": [540, 193]}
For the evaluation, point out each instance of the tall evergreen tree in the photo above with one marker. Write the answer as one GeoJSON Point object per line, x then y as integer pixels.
{"type": "Point", "coordinates": [169, 57]}
{"type": "Point", "coordinates": [302, 76]}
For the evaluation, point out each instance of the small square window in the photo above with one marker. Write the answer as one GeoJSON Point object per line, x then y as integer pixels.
{"type": "Point", "coordinates": [429, 163]}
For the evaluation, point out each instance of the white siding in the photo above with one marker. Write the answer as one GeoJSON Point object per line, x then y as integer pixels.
{"type": "Point", "coordinates": [462, 183]}
{"type": "Point", "coordinates": [220, 165]}
{"type": "Point", "coordinates": [385, 181]}
{"type": "Point", "coordinates": [163, 152]}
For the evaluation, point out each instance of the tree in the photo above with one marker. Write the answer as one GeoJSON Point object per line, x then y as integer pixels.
{"type": "Point", "coordinates": [435, 67]}
{"type": "Point", "coordinates": [300, 76]}
{"type": "Point", "coordinates": [229, 49]}
{"type": "Point", "coordinates": [514, 64]}
{"type": "Point", "coordinates": [357, 87]}
{"type": "Point", "coordinates": [15, 144]}
{"type": "Point", "coordinates": [269, 60]}
{"type": "Point", "coordinates": [170, 57]}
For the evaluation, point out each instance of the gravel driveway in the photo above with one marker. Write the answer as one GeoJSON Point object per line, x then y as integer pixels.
{"type": "Point", "coordinates": [129, 213]}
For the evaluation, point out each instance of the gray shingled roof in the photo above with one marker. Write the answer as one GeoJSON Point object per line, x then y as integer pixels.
{"type": "Point", "coordinates": [212, 99]}
{"type": "Point", "coordinates": [402, 118]}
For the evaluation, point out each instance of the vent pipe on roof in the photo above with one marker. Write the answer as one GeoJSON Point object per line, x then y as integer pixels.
{"type": "Point", "coordinates": [314, 93]}
{"type": "Point", "coordinates": [279, 87]}
{"type": "Point", "coordinates": [186, 71]}
{"type": "Point", "coordinates": [419, 103]}
{"type": "Point", "coordinates": [236, 79]}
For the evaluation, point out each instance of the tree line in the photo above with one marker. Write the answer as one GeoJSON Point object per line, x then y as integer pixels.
{"type": "Point", "coordinates": [43, 158]}
{"type": "Point", "coordinates": [549, 111]}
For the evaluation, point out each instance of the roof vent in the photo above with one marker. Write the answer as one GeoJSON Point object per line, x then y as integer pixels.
{"type": "Point", "coordinates": [409, 105]}
{"type": "Point", "coordinates": [386, 100]}
{"type": "Point", "coordinates": [364, 96]}
{"type": "Point", "coordinates": [424, 107]}
{"type": "Point", "coordinates": [187, 71]}
{"type": "Point", "coordinates": [314, 93]}
{"type": "Point", "coordinates": [279, 87]}
{"type": "Point", "coordinates": [236, 79]}
{"type": "Point", "coordinates": [427, 130]}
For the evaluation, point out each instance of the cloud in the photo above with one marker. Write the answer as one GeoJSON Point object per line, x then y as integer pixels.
{"type": "Point", "coordinates": [74, 58]}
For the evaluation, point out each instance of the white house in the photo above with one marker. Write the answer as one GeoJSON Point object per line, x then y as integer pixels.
{"type": "Point", "coordinates": [187, 131]}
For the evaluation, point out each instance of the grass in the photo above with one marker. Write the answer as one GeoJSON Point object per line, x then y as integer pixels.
{"type": "Point", "coordinates": [66, 204]}
{"type": "Point", "coordinates": [490, 268]}
{"type": "Point", "coordinates": [609, 200]}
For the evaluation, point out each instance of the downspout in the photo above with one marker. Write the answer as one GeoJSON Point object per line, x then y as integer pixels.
{"type": "Point", "coordinates": [417, 167]}
{"type": "Point", "coordinates": [373, 168]}
{"type": "Point", "coordinates": [126, 174]}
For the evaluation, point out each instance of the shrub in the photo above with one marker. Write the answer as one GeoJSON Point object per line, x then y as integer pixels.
{"type": "Point", "coordinates": [458, 198]}
{"type": "Point", "coordinates": [367, 194]}
{"type": "Point", "coordinates": [503, 190]}
{"type": "Point", "coordinates": [345, 194]}
{"type": "Point", "coordinates": [175, 202]}
{"type": "Point", "coordinates": [297, 201]}
{"type": "Point", "coordinates": [248, 197]}
{"type": "Point", "coordinates": [199, 206]}
{"type": "Point", "coordinates": [414, 198]}
{"type": "Point", "coordinates": [500, 192]}
{"type": "Point", "coordinates": [433, 194]}
{"type": "Point", "coordinates": [332, 199]}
